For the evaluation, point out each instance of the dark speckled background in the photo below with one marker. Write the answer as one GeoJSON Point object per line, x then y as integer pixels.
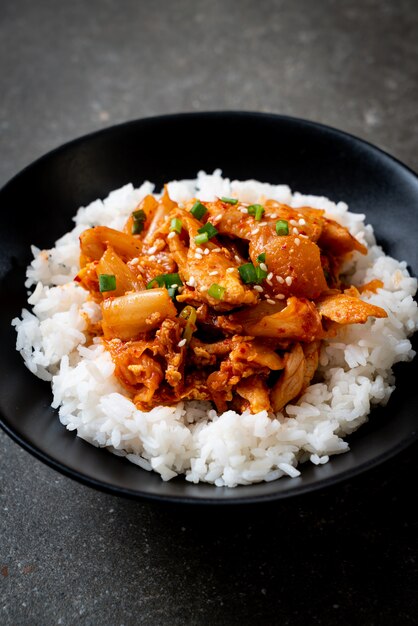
{"type": "Point", "coordinates": [71, 555]}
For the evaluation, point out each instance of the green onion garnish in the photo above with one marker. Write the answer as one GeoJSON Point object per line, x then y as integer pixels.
{"type": "Point", "coordinates": [250, 274]}
{"type": "Point", "coordinates": [216, 291]}
{"type": "Point", "coordinates": [282, 227]}
{"type": "Point", "coordinates": [206, 232]}
{"type": "Point", "coordinates": [209, 229]}
{"type": "Point", "coordinates": [176, 225]}
{"type": "Point", "coordinates": [158, 281]}
{"type": "Point", "coordinates": [229, 200]}
{"type": "Point", "coordinates": [137, 227]}
{"type": "Point", "coordinates": [171, 281]}
{"type": "Point", "coordinates": [203, 238]}
{"type": "Point", "coordinates": [261, 274]}
{"type": "Point", "coordinates": [107, 282]}
{"type": "Point", "coordinates": [198, 210]}
{"type": "Point", "coordinates": [257, 210]}
{"type": "Point", "coordinates": [139, 215]}
{"type": "Point", "coordinates": [247, 273]}
{"type": "Point", "coordinates": [139, 218]}
{"type": "Point", "coordinates": [261, 257]}
{"type": "Point", "coordinates": [189, 314]}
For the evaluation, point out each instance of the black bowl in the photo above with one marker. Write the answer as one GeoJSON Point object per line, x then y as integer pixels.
{"type": "Point", "coordinates": [37, 205]}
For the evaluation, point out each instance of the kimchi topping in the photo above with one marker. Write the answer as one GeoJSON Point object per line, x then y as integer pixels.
{"type": "Point", "coordinates": [220, 301]}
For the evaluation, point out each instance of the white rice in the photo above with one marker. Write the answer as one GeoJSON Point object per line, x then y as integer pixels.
{"type": "Point", "coordinates": [229, 449]}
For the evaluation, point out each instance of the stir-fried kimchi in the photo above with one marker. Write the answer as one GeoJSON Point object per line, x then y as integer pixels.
{"type": "Point", "coordinates": [220, 301]}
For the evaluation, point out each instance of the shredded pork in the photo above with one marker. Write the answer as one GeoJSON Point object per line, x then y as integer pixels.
{"type": "Point", "coordinates": [235, 316]}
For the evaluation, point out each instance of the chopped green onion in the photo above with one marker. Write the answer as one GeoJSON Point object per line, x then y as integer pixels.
{"type": "Point", "coordinates": [247, 273]}
{"type": "Point", "coordinates": [203, 238]}
{"type": "Point", "coordinates": [206, 232]}
{"type": "Point", "coordinates": [137, 227]}
{"type": "Point", "coordinates": [261, 274]}
{"type": "Point", "coordinates": [189, 314]}
{"type": "Point", "coordinates": [282, 227]}
{"type": "Point", "coordinates": [229, 200]}
{"type": "Point", "coordinates": [250, 274]}
{"type": "Point", "coordinates": [107, 282]}
{"type": "Point", "coordinates": [216, 291]}
{"type": "Point", "coordinates": [176, 225]}
{"type": "Point", "coordinates": [261, 257]}
{"type": "Point", "coordinates": [139, 215]}
{"type": "Point", "coordinates": [170, 281]}
{"type": "Point", "coordinates": [257, 210]}
{"type": "Point", "coordinates": [139, 218]}
{"type": "Point", "coordinates": [198, 210]}
{"type": "Point", "coordinates": [158, 281]}
{"type": "Point", "coordinates": [209, 229]}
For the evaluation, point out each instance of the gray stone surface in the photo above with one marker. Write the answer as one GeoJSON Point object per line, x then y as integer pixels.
{"type": "Point", "coordinates": [71, 555]}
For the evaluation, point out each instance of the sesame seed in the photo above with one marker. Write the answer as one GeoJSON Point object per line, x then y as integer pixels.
{"type": "Point", "coordinates": [199, 257]}
{"type": "Point", "coordinates": [263, 267]}
{"type": "Point", "coordinates": [270, 301]}
{"type": "Point", "coordinates": [174, 285]}
{"type": "Point", "coordinates": [297, 241]}
{"type": "Point", "coordinates": [280, 296]}
{"type": "Point", "coordinates": [206, 251]}
{"type": "Point", "coordinates": [304, 236]}
{"type": "Point", "coordinates": [199, 250]}
{"type": "Point", "coordinates": [191, 282]}
{"type": "Point", "coordinates": [243, 209]}
{"type": "Point", "coordinates": [151, 258]}
{"type": "Point", "coordinates": [295, 231]}
{"type": "Point", "coordinates": [216, 249]}
{"type": "Point", "coordinates": [263, 224]}
{"type": "Point", "coordinates": [152, 250]}
{"type": "Point", "coordinates": [182, 343]}
{"type": "Point", "coordinates": [273, 216]}
{"type": "Point", "coordinates": [302, 221]}
{"type": "Point", "coordinates": [135, 261]}
{"type": "Point", "coordinates": [268, 281]}
{"type": "Point", "coordinates": [288, 280]}
{"type": "Point", "coordinates": [230, 270]}
{"type": "Point", "coordinates": [217, 218]}
{"type": "Point", "coordinates": [236, 257]}
{"type": "Point", "coordinates": [171, 235]}
{"type": "Point", "coordinates": [255, 231]}
{"type": "Point", "coordinates": [280, 279]}
{"type": "Point", "coordinates": [293, 222]}
{"type": "Point", "coordinates": [214, 273]}
{"type": "Point", "coordinates": [270, 276]}
{"type": "Point", "coordinates": [258, 288]}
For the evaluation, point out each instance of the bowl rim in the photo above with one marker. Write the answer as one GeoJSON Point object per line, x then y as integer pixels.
{"type": "Point", "coordinates": [215, 113]}
{"type": "Point", "coordinates": [292, 491]}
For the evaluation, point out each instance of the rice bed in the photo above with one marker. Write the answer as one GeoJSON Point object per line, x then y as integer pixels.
{"type": "Point", "coordinates": [191, 438]}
